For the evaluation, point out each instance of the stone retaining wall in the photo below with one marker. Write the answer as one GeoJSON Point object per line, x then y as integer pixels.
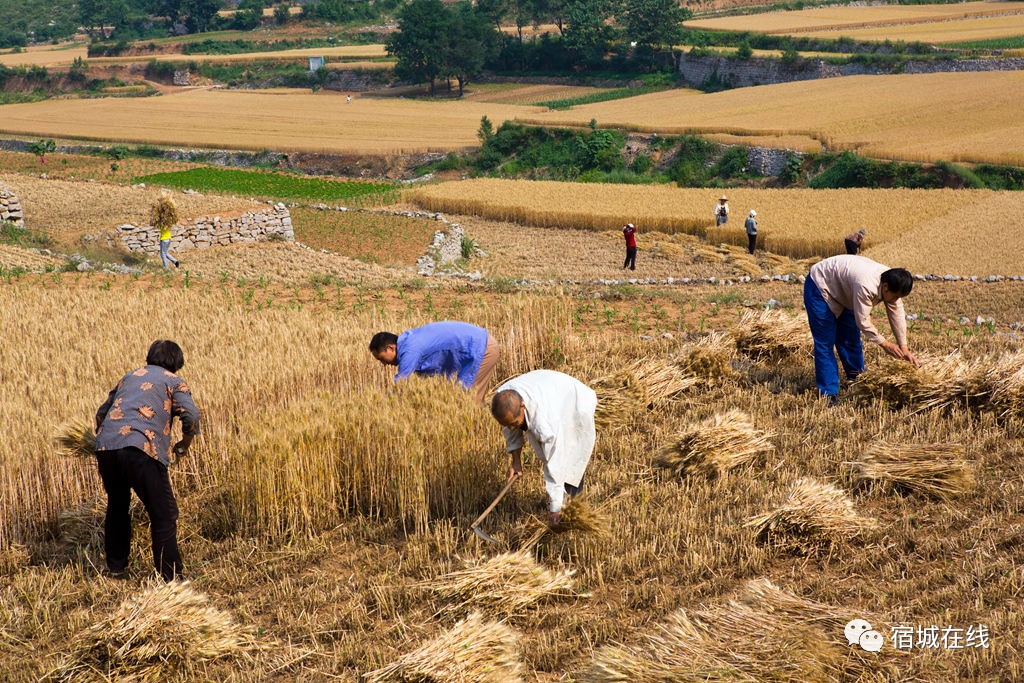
{"type": "Point", "coordinates": [209, 231]}
{"type": "Point", "coordinates": [10, 208]}
{"type": "Point", "coordinates": [737, 73]}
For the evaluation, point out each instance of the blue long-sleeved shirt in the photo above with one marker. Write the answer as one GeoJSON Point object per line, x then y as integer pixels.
{"type": "Point", "coordinates": [449, 348]}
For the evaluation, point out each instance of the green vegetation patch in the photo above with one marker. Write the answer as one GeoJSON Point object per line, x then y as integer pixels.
{"type": "Point", "coordinates": [613, 94]}
{"type": "Point", "coordinates": [266, 184]}
{"type": "Point", "coordinates": [1010, 43]}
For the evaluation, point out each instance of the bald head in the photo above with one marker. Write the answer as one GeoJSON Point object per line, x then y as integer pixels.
{"type": "Point", "coordinates": [507, 408]}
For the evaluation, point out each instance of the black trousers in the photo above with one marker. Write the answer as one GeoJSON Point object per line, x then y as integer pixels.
{"type": "Point", "coordinates": [126, 470]}
{"type": "Point", "coordinates": [751, 243]}
{"type": "Point", "coordinates": [851, 247]}
{"type": "Point", "coordinates": [630, 261]}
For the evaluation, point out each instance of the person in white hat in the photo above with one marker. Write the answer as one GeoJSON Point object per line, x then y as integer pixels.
{"type": "Point", "coordinates": [629, 232]}
{"type": "Point", "coordinates": [722, 210]}
{"type": "Point", "coordinates": [751, 226]}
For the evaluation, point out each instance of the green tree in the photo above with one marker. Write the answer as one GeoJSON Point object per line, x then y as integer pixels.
{"type": "Point", "coordinates": [744, 51]}
{"type": "Point", "coordinates": [588, 33]}
{"type": "Point", "coordinates": [282, 15]}
{"type": "Point", "coordinates": [421, 41]}
{"type": "Point", "coordinates": [198, 13]}
{"type": "Point", "coordinates": [472, 40]}
{"type": "Point", "coordinates": [653, 23]}
{"type": "Point", "coordinates": [96, 15]}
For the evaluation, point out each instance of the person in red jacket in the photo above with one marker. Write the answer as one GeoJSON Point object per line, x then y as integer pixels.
{"type": "Point", "coordinates": [629, 232]}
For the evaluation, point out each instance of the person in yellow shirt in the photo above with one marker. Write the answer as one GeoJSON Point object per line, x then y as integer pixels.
{"type": "Point", "coordinates": [165, 248]}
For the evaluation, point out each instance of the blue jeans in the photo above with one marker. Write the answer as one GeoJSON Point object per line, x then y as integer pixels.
{"type": "Point", "coordinates": [831, 332]}
{"type": "Point", "coordinates": [165, 253]}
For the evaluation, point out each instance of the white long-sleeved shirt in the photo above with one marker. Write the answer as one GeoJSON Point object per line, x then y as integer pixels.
{"type": "Point", "coordinates": [559, 426]}
{"type": "Point", "coordinates": [855, 283]}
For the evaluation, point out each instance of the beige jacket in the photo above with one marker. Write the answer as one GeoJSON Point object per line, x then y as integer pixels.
{"type": "Point", "coordinates": [854, 283]}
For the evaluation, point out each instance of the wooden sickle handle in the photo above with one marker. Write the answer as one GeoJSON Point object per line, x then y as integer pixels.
{"type": "Point", "coordinates": [494, 503]}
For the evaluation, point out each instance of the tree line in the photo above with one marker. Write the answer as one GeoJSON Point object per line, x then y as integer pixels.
{"type": "Point", "coordinates": [435, 41]}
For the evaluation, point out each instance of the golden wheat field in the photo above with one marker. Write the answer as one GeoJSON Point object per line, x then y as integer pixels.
{"type": "Point", "coordinates": [337, 53]}
{"type": "Point", "coordinates": [250, 119]}
{"type": "Point", "coordinates": [45, 55]}
{"type": "Point", "coordinates": [67, 209]}
{"type": "Point", "coordinates": [882, 116]}
{"type": "Point", "coordinates": [798, 223]}
{"type": "Point", "coordinates": [849, 17]}
{"type": "Point", "coordinates": [937, 32]}
{"type": "Point", "coordinates": [324, 515]}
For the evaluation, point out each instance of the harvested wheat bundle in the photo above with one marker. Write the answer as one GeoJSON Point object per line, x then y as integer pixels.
{"type": "Point", "coordinates": [474, 651]}
{"type": "Point", "coordinates": [13, 559]}
{"type": "Point", "coordinates": [169, 629]}
{"type": "Point", "coordinates": [730, 643]}
{"type": "Point", "coordinates": [813, 511]}
{"type": "Point", "coordinates": [76, 439]}
{"type": "Point", "coordinates": [1007, 383]}
{"type": "Point", "coordinates": [164, 212]}
{"type": "Point", "coordinates": [715, 446]}
{"type": "Point", "coordinates": [934, 469]}
{"type": "Point", "coordinates": [770, 336]}
{"type": "Point", "coordinates": [581, 517]}
{"type": "Point", "coordinates": [894, 382]}
{"type": "Point", "coordinates": [709, 359]}
{"type": "Point", "coordinates": [504, 584]}
{"type": "Point", "coordinates": [624, 394]}
{"type": "Point", "coordinates": [763, 595]}
{"type": "Point", "coordinates": [83, 525]}
{"type": "Point", "coordinates": [950, 381]}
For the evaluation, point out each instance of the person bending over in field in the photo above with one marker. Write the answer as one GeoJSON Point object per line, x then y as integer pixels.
{"type": "Point", "coordinates": [854, 241]}
{"type": "Point", "coordinates": [629, 232]}
{"type": "Point", "coordinates": [453, 349]}
{"type": "Point", "coordinates": [133, 448]}
{"type": "Point", "coordinates": [839, 294]}
{"type": "Point", "coordinates": [555, 413]}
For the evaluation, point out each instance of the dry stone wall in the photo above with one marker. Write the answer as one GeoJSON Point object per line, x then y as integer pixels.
{"type": "Point", "coordinates": [10, 208]}
{"type": "Point", "coordinates": [211, 231]}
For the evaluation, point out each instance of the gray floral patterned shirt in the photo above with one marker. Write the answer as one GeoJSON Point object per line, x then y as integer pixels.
{"type": "Point", "coordinates": [139, 410]}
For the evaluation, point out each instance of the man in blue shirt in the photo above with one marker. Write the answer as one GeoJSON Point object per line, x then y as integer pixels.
{"type": "Point", "coordinates": [453, 349]}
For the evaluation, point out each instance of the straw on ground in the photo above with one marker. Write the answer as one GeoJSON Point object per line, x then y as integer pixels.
{"type": "Point", "coordinates": [935, 469]}
{"type": "Point", "coordinates": [504, 584]}
{"type": "Point", "coordinates": [474, 651]}
{"type": "Point", "coordinates": [811, 512]}
{"type": "Point", "coordinates": [715, 446]}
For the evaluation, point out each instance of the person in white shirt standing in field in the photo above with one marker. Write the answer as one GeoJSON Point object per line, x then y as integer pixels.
{"type": "Point", "coordinates": [555, 413]}
{"type": "Point", "coordinates": [839, 294]}
{"type": "Point", "coordinates": [722, 211]}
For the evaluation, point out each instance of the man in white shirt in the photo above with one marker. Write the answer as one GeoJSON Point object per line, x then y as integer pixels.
{"type": "Point", "coordinates": [555, 413]}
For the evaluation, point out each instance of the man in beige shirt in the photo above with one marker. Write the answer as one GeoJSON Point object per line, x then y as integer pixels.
{"type": "Point", "coordinates": [839, 294]}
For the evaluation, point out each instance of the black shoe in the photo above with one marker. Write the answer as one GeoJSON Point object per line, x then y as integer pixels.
{"type": "Point", "coordinates": [833, 402]}
{"type": "Point", "coordinates": [177, 264]}
{"type": "Point", "coordinates": [120, 575]}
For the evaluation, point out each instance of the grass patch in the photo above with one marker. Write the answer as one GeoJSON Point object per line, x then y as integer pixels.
{"type": "Point", "coordinates": [613, 94]}
{"type": "Point", "coordinates": [1008, 43]}
{"type": "Point", "coordinates": [270, 185]}
{"type": "Point", "coordinates": [375, 238]}
{"type": "Point", "coordinates": [22, 97]}
{"type": "Point", "coordinates": [20, 237]}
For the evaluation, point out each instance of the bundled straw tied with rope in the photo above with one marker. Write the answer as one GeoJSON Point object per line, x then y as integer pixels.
{"type": "Point", "coordinates": [710, 359]}
{"type": "Point", "coordinates": [934, 469]}
{"type": "Point", "coordinates": [715, 446]}
{"type": "Point", "coordinates": [770, 335]}
{"type": "Point", "coordinates": [169, 629]}
{"type": "Point", "coordinates": [504, 584]}
{"type": "Point", "coordinates": [767, 634]}
{"type": "Point", "coordinates": [812, 511]}
{"type": "Point", "coordinates": [76, 439]}
{"type": "Point", "coordinates": [474, 651]}
{"type": "Point", "coordinates": [626, 393]}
